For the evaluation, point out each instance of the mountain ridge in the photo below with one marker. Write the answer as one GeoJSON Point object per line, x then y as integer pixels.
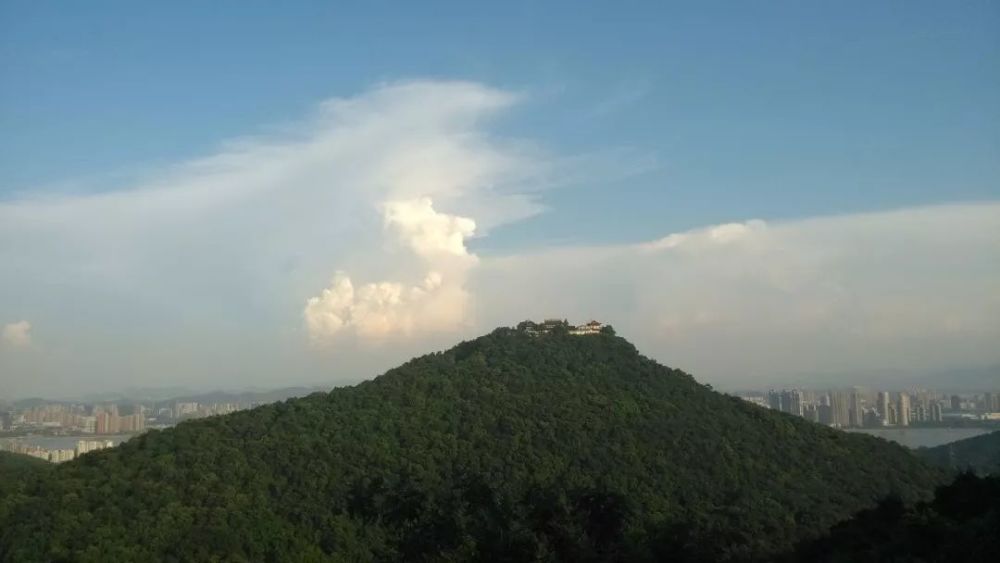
{"type": "Point", "coordinates": [980, 454]}
{"type": "Point", "coordinates": [555, 446]}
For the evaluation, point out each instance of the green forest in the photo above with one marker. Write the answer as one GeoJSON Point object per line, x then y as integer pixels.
{"type": "Point", "coordinates": [961, 523]}
{"type": "Point", "coordinates": [506, 447]}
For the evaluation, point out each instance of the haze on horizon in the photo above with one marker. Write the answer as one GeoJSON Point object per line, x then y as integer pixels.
{"type": "Point", "coordinates": [268, 200]}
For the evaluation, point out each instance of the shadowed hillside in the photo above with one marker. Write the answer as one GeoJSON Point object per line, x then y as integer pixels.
{"type": "Point", "coordinates": [961, 523]}
{"type": "Point", "coordinates": [979, 453]}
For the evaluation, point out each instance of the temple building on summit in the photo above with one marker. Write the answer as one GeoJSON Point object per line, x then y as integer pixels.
{"type": "Point", "coordinates": [555, 325]}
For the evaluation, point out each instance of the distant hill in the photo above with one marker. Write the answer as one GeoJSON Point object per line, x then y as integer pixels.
{"type": "Point", "coordinates": [175, 395]}
{"type": "Point", "coordinates": [16, 469]}
{"type": "Point", "coordinates": [268, 396]}
{"type": "Point", "coordinates": [507, 447]}
{"type": "Point", "coordinates": [10, 461]}
{"type": "Point", "coordinates": [979, 453]}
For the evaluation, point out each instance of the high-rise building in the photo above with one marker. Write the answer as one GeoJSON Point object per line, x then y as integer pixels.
{"type": "Point", "coordinates": [991, 402]}
{"type": "Point", "coordinates": [811, 412]}
{"type": "Point", "coordinates": [107, 423]}
{"type": "Point", "coordinates": [855, 411]}
{"type": "Point", "coordinates": [791, 402]}
{"type": "Point", "coordinates": [774, 400]}
{"type": "Point", "coordinates": [883, 407]}
{"type": "Point", "coordinates": [903, 411]}
{"type": "Point", "coordinates": [101, 423]}
{"type": "Point", "coordinates": [956, 403]}
{"type": "Point", "coordinates": [183, 409]}
{"type": "Point", "coordinates": [824, 414]}
{"type": "Point", "coordinates": [841, 408]}
{"type": "Point", "coordinates": [136, 422]}
{"type": "Point", "coordinates": [937, 411]}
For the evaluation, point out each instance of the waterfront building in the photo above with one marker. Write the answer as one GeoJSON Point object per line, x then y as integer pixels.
{"type": "Point", "coordinates": [903, 410]}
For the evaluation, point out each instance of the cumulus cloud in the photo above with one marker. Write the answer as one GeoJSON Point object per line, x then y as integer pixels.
{"type": "Point", "coordinates": [17, 335]}
{"type": "Point", "coordinates": [379, 310]}
{"type": "Point", "coordinates": [425, 230]}
{"type": "Point", "coordinates": [383, 309]}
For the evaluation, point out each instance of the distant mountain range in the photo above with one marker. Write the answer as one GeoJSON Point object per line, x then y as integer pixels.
{"type": "Point", "coordinates": [171, 395]}
{"type": "Point", "coordinates": [507, 447]}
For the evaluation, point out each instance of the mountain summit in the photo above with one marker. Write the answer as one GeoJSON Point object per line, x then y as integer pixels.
{"type": "Point", "coordinates": [517, 446]}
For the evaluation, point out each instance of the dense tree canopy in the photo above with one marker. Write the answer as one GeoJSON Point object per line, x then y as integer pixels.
{"type": "Point", "coordinates": [962, 523]}
{"type": "Point", "coordinates": [554, 447]}
{"type": "Point", "coordinates": [15, 469]}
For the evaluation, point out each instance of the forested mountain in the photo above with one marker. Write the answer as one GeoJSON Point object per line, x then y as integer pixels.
{"type": "Point", "coordinates": [507, 447]}
{"type": "Point", "coordinates": [15, 469]}
{"type": "Point", "coordinates": [979, 453]}
{"type": "Point", "coordinates": [962, 523]}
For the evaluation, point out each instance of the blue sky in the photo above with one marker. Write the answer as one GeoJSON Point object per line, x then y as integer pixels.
{"type": "Point", "coordinates": [196, 174]}
{"type": "Point", "coordinates": [777, 109]}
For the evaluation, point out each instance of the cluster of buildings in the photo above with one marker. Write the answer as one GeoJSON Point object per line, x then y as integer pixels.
{"type": "Point", "coordinates": [60, 418]}
{"type": "Point", "coordinates": [191, 409]}
{"type": "Point", "coordinates": [57, 455]}
{"type": "Point", "coordinates": [551, 325]}
{"type": "Point", "coordinates": [860, 408]}
{"type": "Point", "coordinates": [106, 419]}
{"type": "Point", "coordinates": [991, 402]}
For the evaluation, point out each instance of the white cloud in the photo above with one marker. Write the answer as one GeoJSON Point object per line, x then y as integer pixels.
{"type": "Point", "coordinates": [425, 230]}
{"type": "Point", "coordinates": [383, 309]}
{"type": "Point", "coordinates": [227, 249]}
{"type": "Point", "coordinates": [17, 335]}
{"type": "Point", "coordinates": [908, 291]}
{"type": "Point", "coordinates": [707, 238]}
{"type": "Point", "coordinates": [218, 272]}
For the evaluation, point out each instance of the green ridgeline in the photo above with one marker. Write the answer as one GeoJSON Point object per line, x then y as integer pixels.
{"type": "Point", "coordinates": [506, 447]}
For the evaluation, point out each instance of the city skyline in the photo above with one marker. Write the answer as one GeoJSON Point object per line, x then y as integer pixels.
{"type": "Point", "coordinates": [96, 425]}
{"type": "Point", "coordinates": [877, 408]}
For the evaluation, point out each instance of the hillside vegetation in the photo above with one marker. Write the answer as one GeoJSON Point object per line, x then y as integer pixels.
{"type": "Point", "coordinates": [962, 523]}
{"type": "Point", "coordinates": [980, 454]}
{"type": "Point", "coordinates": [557, 447]}
{"type": "Point", "coordinates": [15, 469]}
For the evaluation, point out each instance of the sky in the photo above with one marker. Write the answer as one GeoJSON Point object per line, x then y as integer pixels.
{"type": "Point", "coordinates": [247, 194]}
